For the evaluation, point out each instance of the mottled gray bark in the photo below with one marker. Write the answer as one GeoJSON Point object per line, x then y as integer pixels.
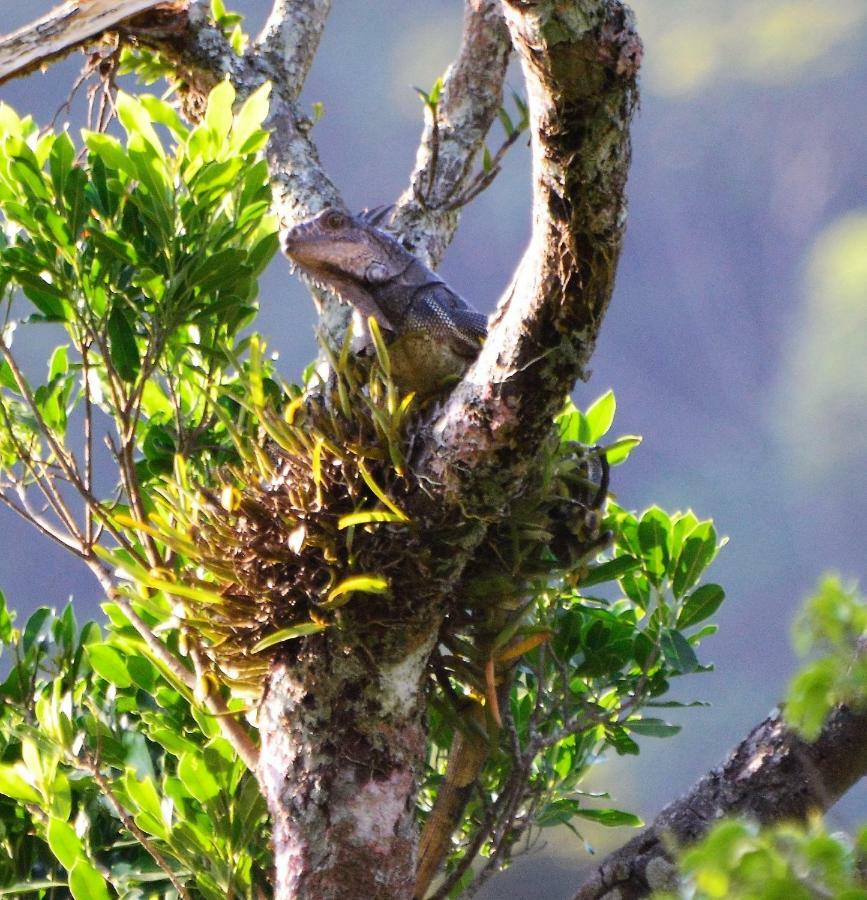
{"type": "Point", "coordinates": [580, 62]}
{"type": "Point", "coordinates": [772, 776]}
{"type": "Point", "coordinates": [343, 740]}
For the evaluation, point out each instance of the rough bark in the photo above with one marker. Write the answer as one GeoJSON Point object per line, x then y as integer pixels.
{"type": "Point", "coordinates": [580, 62]}
{"type": "Point", "coordinates": [771, 776]}
{"type": "Point", "coordinates": [343, 739]}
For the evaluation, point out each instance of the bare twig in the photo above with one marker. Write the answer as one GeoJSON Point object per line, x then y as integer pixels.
{"type": "Point", "coordinates": [40, 524]}
{"type": "Point", "coordinates": [84, 349]}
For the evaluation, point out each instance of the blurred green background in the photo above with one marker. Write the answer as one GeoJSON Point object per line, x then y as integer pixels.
{"type": "Point", "coordinates": [736, 342]}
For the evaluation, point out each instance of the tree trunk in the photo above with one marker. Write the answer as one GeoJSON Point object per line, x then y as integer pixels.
{"type": "Point", "coordinates": [343, 750]}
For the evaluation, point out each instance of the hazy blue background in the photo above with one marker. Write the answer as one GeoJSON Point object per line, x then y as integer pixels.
{"type": "Point", "coordinates": [736, 341]}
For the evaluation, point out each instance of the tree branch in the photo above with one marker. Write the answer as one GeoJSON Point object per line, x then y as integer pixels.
{"type": "Point", "coordinates": [290, 39]}
{"type": "Point", "coordinates": [580, 62]}
{"type": "Point", "coordinates": [63, 29]}
{"type": "Point", "coordinates": [772, 776]}
{"type": "Point", "coordinates": [472, 93]}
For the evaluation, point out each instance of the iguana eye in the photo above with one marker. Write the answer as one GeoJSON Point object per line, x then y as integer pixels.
{"type": "Point", "coordinates": [334, 220]}
{"type": "Point", "coordinates": [376, 273]}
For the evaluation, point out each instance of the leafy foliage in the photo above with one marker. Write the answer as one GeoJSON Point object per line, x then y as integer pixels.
{"type": "Point", "coordinates": [250, 514]}
{"type": "Point", "coordinates": [94, 737]}
{"type": "Point", "coordinates": [832, 625]}
{"type": "Point", "coordinates": [737, 859]}
{"type": "Point", "coordinates": [113, 772]}
{"type": "Point", "coordinates": [573, 668]}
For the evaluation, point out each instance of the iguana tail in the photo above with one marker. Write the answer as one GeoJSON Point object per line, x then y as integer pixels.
{"type": "Point", "coordinates": [467, 756]}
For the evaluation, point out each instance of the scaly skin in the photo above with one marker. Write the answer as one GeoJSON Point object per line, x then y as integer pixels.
{"type": "Point", "coordinates": [434, 333]}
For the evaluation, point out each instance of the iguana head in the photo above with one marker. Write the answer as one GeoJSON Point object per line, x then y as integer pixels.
{"type": "Point", "coordinates": [348, 255]}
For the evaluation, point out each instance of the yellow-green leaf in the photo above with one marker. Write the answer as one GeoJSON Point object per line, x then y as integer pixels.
{"type": "Point", "coordinates": [380, 493]}
{"type": "Point", "coordinates": [366, 517]}
{"type": "Point", "coordinates": [368, 584]}
{"type": "Point", "coordinates": [288, 634]}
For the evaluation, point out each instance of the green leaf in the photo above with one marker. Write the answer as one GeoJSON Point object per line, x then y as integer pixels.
{"type": "Point", "coordinates": [6, 619]}
{"type": "Point", "coordinates": [220, 269]}
{"type": "Point", "coordinates": [654, 530]}
{"type": "Point", "coordinates": [107, 662]}
{"type": "Point", "coordinates": [86, 883]}
{"type": "Point", "coordinates": [288, 634]}
{"type": "Point", "coordinates": [251, 116]}
{"type": "Point", "coordinates": [122, 345]}
{"type": "Point", "coordinates": [367, 517]}
{"type": "Point", "coordinates": [610, 818]}
{"type": "Point", "coordinates": [653, 727]}
{"type": "Point", "coordinates": [812, 694]}
{"type": "Point", "coordinates": [196, 778]}
{"type": "Point", "coordinates": [7, 379]}
{"type": "Point", "coordinates": [43, 295]}
{"type": "Point", "coordinates": [609, 571]}
{"type": "Point", "coordinates": [30, 178]}
{"type": "Point", "coordinates": [218, 116]}
{"type": "Point", "coordinates": [64, 842]}
{"type": "Point", "coordinates": [617, 737]}
{"type": "Point", "coordinates": [35, 630]}
{"type": "Point", "coordinates": [137, 122]}
{"type": "Point", "coordinates": [59, 362]}
{"type": "Point", "coordinates": [110, 150]}
{"type": "Point", "coordinates": [677, 651]}
{"type": "Point", "coordinates": [699, 549]}
{"type": "Point", "coordinates": [506, 122]}
{"type": "Point", "coordinates": [700, 604]}
{"type": "Point", "coordinates": [60, 161]}
{"type": "Point", "coordinates": [165, 114]}
{"type": "Point", "coordinates": [598, 418]}
{"type": "Point", "coordinates": [619, 451]}
{"type": "Point", "coordinates": [13, 784]}
{"type": "Point", "coordinates": [143, 794]}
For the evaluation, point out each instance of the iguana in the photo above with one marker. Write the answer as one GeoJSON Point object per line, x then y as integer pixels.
{"type": "Point", "coordinates": [434, 336]}
{"type": "Point", "coordinates": [434, 333]}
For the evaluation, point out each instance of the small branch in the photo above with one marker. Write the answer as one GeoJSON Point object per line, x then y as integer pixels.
{"type": "Point", "coordinates": [232, 730]}
{"type": "Point", "coordinates": [772, 776]}
{"type": "Point", "coordinates": [88, 441]}
{"type": "Point", "coordinates": [472, 93]}
{"type": "Point", "coordinates": [92, 768]}
{"type": "Point", "coordinates": [40, 524]}
{"type": "Point", "coordinates": [66, 463]}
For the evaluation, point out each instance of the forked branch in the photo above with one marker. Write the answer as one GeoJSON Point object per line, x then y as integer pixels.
{"type": "Point", "coordinates": [580, 63]}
